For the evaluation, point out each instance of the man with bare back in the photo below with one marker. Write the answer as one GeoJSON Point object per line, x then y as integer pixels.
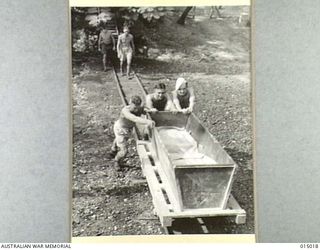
{"type": "Point", "coordinates": [123, 127]}
{"type": "Point", "coordinates": [106, 43]}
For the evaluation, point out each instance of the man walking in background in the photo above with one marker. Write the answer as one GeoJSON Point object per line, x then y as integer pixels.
{"type": "Point", "coordinates": [106, 44]}
{"type": "Point", "coordinates": [125, 49]}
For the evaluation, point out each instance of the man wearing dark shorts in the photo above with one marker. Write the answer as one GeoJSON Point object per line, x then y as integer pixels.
{"type": "Point", "coordinates": [106, 44]}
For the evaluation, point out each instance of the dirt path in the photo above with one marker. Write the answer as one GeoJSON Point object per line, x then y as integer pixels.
{"type": "Point", "coordinates": [105, 201]}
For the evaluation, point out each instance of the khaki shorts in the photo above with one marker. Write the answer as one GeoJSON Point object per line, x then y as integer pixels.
{"type": "Point", "coordinates": [122, 135]}
{"type": "Point", "coordinates": [125, 54]}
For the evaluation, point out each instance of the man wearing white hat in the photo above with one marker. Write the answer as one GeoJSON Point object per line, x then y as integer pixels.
{"type": "Point", "coordinates": [183, 97]}
{"type": "Point", "coordinates": [125, 49]}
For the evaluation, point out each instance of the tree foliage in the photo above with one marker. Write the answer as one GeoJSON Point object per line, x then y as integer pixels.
{"type": "Point", "coordinates": [148, 13]}
{"type": "Point", "coordinates": [86, 22]}
{"type": "Point", "coordinates": [95, 15]}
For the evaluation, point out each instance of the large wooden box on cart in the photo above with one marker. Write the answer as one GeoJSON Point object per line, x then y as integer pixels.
{"type": "Point", "coordinates": [188, 187]}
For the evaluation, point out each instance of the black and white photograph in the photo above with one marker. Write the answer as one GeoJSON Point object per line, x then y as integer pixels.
{"type": "Point", "coordinates": [162, 120]}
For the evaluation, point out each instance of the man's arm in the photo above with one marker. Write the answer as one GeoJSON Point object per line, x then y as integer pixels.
{"type": "Point", "coordinates": [113, 42]}
{"type": "Point", "coordinates": [175, 100]}
{"type": "Point", "coordinates": [132, 44]}
{"type": "Point", "coordinates": [99, 42]}
{"type": "Point", "coordinates": [128, 115]}
{"type": "Point", "coordinates": [146, 109]}
{"type": "Point", "coordinates": [118, 45]}
{"type": "Point", "coordinates": [149, 105]}
{"type": "Point", "coordinates": [191, 100]}
{"type": "Point", "coordinates": [169, 105]}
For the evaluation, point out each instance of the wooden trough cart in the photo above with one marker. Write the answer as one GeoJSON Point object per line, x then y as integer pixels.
{"type": "Point", "coordinates": [189, 174]}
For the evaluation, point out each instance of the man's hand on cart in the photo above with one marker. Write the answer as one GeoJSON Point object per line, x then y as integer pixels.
{"type": "Point", "coordinates": [152, 110]}
{"type": "Point", "coordinates": [151, 123]}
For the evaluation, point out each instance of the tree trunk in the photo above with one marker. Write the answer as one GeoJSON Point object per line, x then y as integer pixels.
{"type": "Point", "coordinates": [182, 18]}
